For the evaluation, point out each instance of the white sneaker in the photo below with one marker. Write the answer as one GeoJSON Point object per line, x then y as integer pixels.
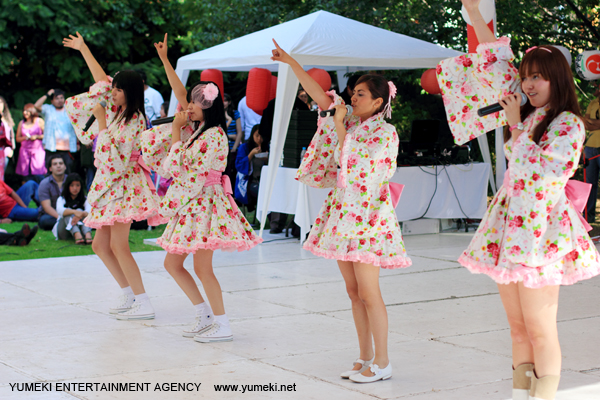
{"type": "Point", "coordinates": [380, 374]}
{"type": "Point", "coordinates": [203, 323]}
{"type": "Point", "coordinates": [139, 310]}
{"type": "Point", "coordinates": [216, 333]}
{"type": "Point", "coordinates": [124, 304]}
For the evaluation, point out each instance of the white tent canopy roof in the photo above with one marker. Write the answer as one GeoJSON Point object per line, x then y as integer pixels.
{"type": "Point", "coordinates": [322, 40]}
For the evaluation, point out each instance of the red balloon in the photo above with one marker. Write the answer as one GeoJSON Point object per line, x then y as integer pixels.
{"type": "Point", "coordinates": [215, 76]}
{"type": "Point", "coordinates": [321, 76]}
{"type": "Point", "coordinates": [273, 87]}
{"type": "Point", "coordinates": [429, 82]}
{"type": "Point", "coordinates": [258, 89]}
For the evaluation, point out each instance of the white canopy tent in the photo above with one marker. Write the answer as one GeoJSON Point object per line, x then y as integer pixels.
{"type": "Point", "coordinates": [321, 40]}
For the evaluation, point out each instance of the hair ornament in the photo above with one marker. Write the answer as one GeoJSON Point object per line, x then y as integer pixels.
{"type": "Point", "coordinates": [388, 107]}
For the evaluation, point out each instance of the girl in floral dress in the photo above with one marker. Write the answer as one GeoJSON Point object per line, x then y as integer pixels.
{"type": "Point", "coordinates": [357, 225]}
{"type": "Point", "coordinates": [122, 190]}
{"type": "Point", "coordinates": [532, 239]}
{"type": "Point", "coordinates": [203, 215]}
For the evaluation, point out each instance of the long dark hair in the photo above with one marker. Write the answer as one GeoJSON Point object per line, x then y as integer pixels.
{"type": "Point", "coordinates": [133, 85]}
{"type": "Point", "coordinates": [230, 110]}
{"type": "Point", "coordinates": [70, 202]}
{"type": "Point", "coordinates": [213, 116]}
{"type": "Point", "coordinates": [553, 67]}
{"type": "Point", "coordinates": [379, 88]}
{"type": "Point", "coordinates": [251, 143]}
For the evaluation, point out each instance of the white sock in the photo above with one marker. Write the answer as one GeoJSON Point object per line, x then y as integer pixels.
{"type": "Point", "coordinates": [222, 319]}
{"type": "Point", "coordinates": [203, 309]}
{"type": "Point", "coordinates": [141, 297]}
{"type": "Point", "coordinates": [127, 291]}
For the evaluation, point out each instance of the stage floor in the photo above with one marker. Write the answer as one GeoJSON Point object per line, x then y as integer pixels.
{"type": "Point", "coordinates": [292, 325]}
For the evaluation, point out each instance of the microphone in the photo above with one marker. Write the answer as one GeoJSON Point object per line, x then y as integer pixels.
{"type": "Point", "coordinates": [160, 121]}
{"type": "Point", "coordinates": [331, 112]}
{"type": "Point", "coordinates": [482, 112]}
{"type": "Point", "coordinates": [90, 121]}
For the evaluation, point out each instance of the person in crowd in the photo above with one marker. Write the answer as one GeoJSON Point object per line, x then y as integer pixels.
{"type": "Point", "coordinates": [49, 191]}
{"type": "Point", "coordinates": [164, 109]}
{"type": "Point", "coordinates": [249, 168]}
{"type": "Point", "coordinates": [303, 96]}
{"type": "Point", "coordinates": [59, 135]}
{"type": "Point", "coordinates": [72, 208]}
{"type": "Point", "coordinates": [361, 232]}
{"type": "Point", "coordinates": [592, 153]}
{"type": "Point", "coordinates": [14, 204]}
{"type": "Point", "coordinates": [234, 125]}
{"type": "Point", "coordinates": [531, 239]}
{"type": "Point", "coordinates": [346, 95]}
{"type": "Point", "coordinates": [32, 157]}
{"type": "Point", "coordinates": [7, 136]}
{"type": "Point", "coordinates": [22, 237]}
{"type": "Point", "coordinates": [122, 191]}
{"type": "Point", "coordinates": [204, 216]}
{"type": "Point", "coordinates": [248, 118]}
{"type": "Point", "coordinates": [153, 100]}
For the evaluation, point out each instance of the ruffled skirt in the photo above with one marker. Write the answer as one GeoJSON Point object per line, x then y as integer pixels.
{"type": "Point", "coordinates": [483, 256]}
{"type": "Point", "coordinates": [217, 226]}
{"type": "Point", "coordinates": [385, 250]}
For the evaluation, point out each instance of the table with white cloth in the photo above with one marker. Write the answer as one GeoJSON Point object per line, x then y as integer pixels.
{"type": "Point", "coordinates": [442, 191]}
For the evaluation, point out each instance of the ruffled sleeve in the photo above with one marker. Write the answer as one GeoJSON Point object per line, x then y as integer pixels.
{"type": "Point", "coordinates": [319, 166]}
{"type": "Point", "coordinates": [473, 81]}
{"type": "Point", "coordinates": [189, 167]}
{"type": "Point", "coordinates": [156, 143]}
{"type": "Point", "coordinates": [538, 214]}
{"type": "Point", "coordinates": [79, 109]}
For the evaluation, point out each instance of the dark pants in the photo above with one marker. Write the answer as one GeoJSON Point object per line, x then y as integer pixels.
{"type": "Point", "coordinates": [47, 222]}
{"type": "Point", "coordinates": [591, 176]}
{"type": "Point", "coordinates": [27, 192]}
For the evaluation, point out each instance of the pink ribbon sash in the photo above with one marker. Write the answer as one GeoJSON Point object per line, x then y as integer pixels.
{"type": "Point", "coordinates": [395, 192]}
{"type": "Point", "coordinates": [576, 191]}
{"type": "Point", "coordinates": [137, 158]}
{"type": "Point", "coordinates": [218, 178]}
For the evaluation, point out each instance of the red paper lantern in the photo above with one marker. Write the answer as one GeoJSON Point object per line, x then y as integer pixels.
{"type": "Point", "coordinates": [273, 87]}
{"type": "Point", "coordinates": [215, 76]}
{"type": "Point", "coordinates": [322, 77]}
{"type": "Point", "coordinates": [429, 82]}
{"type": "Point", "coordinates": [258, 89]}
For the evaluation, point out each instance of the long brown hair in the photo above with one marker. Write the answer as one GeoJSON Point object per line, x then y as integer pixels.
{"type": "Point", "coordinates": [6, 117]}
{"type": "Point", "coordinates": [553, 67]}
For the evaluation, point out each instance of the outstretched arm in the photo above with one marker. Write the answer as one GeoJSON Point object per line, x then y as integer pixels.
{"type": "Point", "coordinates": [174, 81]}
{"type": "Point", "coordinates": [483, 32]}
{"type": "Point", "coordinates": [77, 43]}
{"type": "Point", "coordinates": [311, 86]}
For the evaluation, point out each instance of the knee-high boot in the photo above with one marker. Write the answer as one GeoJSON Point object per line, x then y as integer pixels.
{"type": "Point", "coordinates": [543, 388]}
{"type": "Point", "coordinates": [521, 382]}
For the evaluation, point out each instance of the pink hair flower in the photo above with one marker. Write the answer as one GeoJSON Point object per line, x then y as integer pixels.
{"type": "Point", "coordinates": [211, 92]}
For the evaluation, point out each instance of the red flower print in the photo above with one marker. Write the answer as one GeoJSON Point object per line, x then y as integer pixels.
{"type": "Point", "coordinates": [520, 185]}
{"type": "Point", "coordinates": [449, 85]}
{"type": "Point", "coordinates": [474, 98]}
{"type": "Point", "coordinates": [535, 177]}
{"type": "Point", "coordinates": [493, 249]}
{"type": "Point", "coordinates": [552, 249]}
{"type": "Point", "coordinates": [452, 118]}
{"type": "Point", "coordinates": [533, 214]}
{"type": "Point", "coordinates": [537, 233]}
{"type": "Point", "coordinates": [203, 147]}
{"type": "Point", "coordinates": [539, 195]}
{"type": "Point", "coordinates": [373, 241]}
{"type": "Point", "coordinates": [362, 242]}
{"type": "Point", "coordinates": [465, 109]}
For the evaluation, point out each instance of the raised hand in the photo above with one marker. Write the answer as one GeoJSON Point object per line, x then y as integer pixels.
{"type": "Point", "coordinates": [280, 55]}
{"type": "Point", "coordinates": [161, 48]}
{"type": "Point", "coordinates": [471, 4]}
{"type": "Point", "coordinates": [74, 42]}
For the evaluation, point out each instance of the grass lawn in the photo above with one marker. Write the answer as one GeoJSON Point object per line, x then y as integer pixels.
{"type": "Point", "coordinates": [44, 245]}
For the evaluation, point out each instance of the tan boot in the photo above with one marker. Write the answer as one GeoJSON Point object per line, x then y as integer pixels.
{"type": "Point", "coordinates": [521, 382]}
{"type": "Point", "coordinates": [543, 388]}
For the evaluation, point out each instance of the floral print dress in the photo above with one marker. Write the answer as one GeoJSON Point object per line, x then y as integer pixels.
{"type": "Point", "coordinates": [531, 232]}
{"type": "Point", "coordinates": [121, 190]}
{"type": "Point", "coordinates": [198, 202]}
{"type": "Point", "coordinates": [357, 221]}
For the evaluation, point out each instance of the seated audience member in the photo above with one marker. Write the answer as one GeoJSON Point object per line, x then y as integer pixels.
{"type": "Point", "coordinates": [50, 190]}
{"type": "Point", "coordinates": [72, 207]}
{"type": "Point", "coordinates": [21, 237]}
{"type": "Point", "coordinates": [248, 169]}
{"type": "Point", "coordinates": [164, 109]}
{"type": "Point", "coordinates": [13, 205]}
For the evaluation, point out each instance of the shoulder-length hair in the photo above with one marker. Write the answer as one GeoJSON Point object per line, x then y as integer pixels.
{"type": "Point", "coordinates": [378, 87]}
{"type": "Point", "coordinates": [553, 67]}
{"type": "Point", "coordinates": [6, 117]}
{"type": "Point", "coordinates": [79, 200]}
{"type": "Point", "coordinates": [213, 116]}
{"type": "Point", "coordinates": [32, 111]}
{"type": "Point", "coordinates": [133, 86]}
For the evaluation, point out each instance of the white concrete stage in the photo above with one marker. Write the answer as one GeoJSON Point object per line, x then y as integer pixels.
{"type": "Point", "coordinates": [292, 324]}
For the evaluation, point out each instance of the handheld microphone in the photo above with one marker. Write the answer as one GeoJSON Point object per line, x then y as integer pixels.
{"type": "Point", "coordinates": [331, 112]}
{"type": "Point", "coordinates": [160, 121]}
{"type": "Point", "coordinates": [482, 112]}
{"type": "Point", "coordinates": [90, 121]}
